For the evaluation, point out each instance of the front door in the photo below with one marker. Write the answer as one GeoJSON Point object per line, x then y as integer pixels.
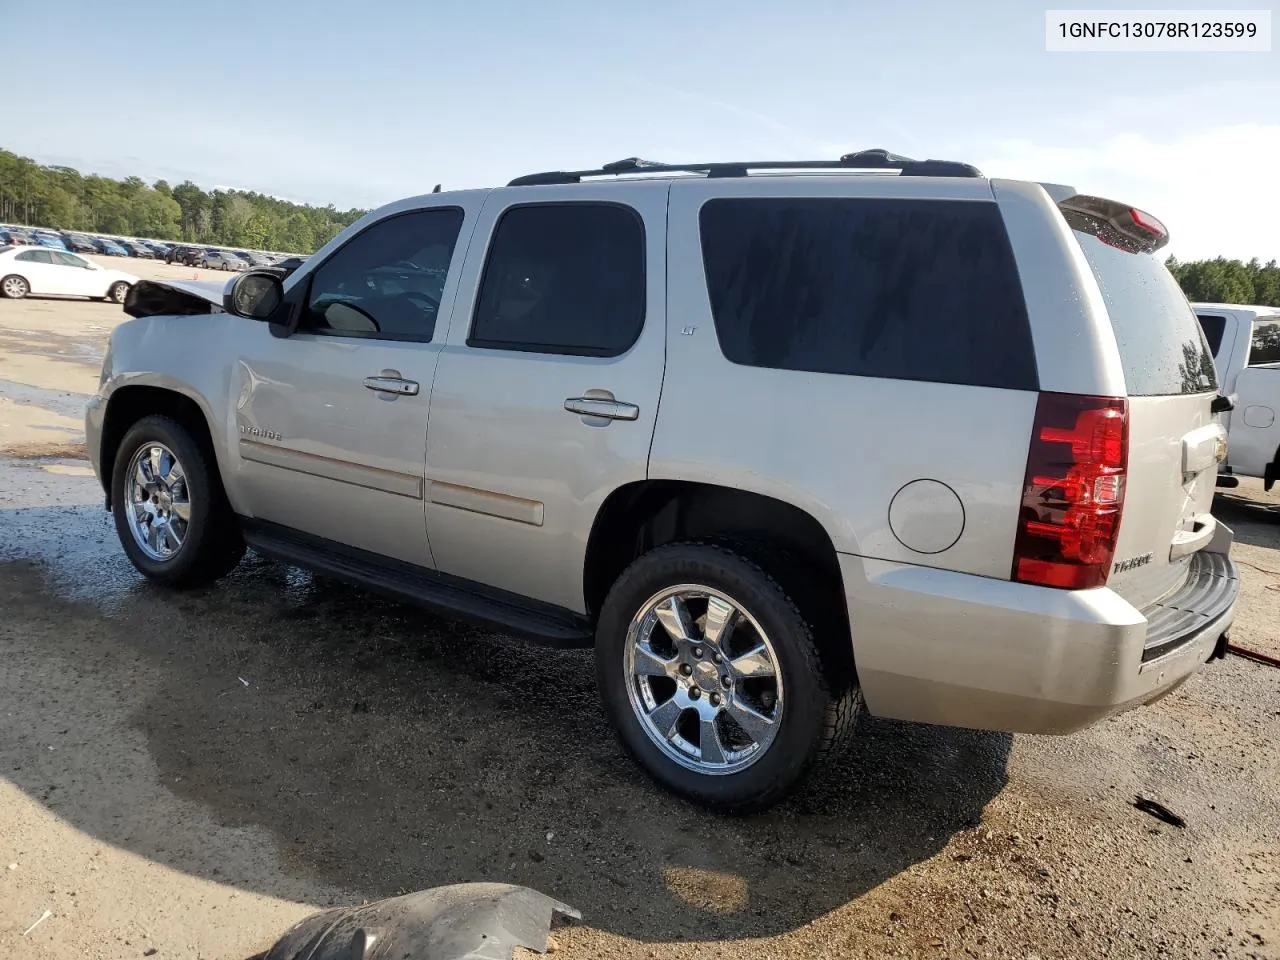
{"type": "Point", "coordinates": [547, 391]}
{"type": "Point", "coordinates": [76, 276]}
{"type": "Point", "coordinates": [332, 420]}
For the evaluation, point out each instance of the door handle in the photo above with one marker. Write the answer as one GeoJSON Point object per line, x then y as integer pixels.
{"type": "Point", "coordinates": [600, 407]}
{"type": "Point", "coordinates": [396, 385]}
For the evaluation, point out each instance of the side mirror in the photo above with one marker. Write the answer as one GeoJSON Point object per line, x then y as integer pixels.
{"type": "Point", "coordinates": [1223, 404]}
{"type": "Point", "coordinates": [255, 295]}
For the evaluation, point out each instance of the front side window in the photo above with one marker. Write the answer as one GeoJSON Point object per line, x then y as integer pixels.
{"type": "Point", "coordinates": [1266, 343]}
{"type": "Point", "coordinates": [563, 278]}
{"type": "Point", "coordinates": [35, 256]}
{"type": "Point", "coordinates": [70, 260]}
{"type": "Point", "coordinates": [386, 282]}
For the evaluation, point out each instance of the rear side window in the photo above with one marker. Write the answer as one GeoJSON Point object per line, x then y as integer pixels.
{"type": "Point", "coordinates": [1266, 343]}
{"type": "Point", "coordinates": [1213, 327]}
{"type": "Point", "coordinates": [563, 278]}
{"type": "Point", "coordinates": [1162, 349]}
{"type": "Point", "coordinates": [901, 289]}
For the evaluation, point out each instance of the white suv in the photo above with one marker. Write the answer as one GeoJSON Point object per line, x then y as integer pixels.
{"type": "Point", "coordinates": [781, 440]}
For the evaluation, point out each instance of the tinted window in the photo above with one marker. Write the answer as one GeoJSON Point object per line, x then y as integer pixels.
{"type": "Point", "coordinates": [904, 289]}
{"type": "Point", "coordinates": [1266, 343]}
{"type": "Point", "coordinates": [35, 256]}
{"type": "Point", "coordinates": [563, 278]}
{"type": "Point", "coordinates": [1162, 350]}
{"type": "Point", "coordinates": [1213, 328]}
{"type": "Point", "coordinates": [386, 282]}
{"type": "Point", "coordinates": [69, 260]}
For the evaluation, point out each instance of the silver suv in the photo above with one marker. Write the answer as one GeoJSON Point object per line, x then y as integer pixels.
{"type": "Point", "coordinates": [783, 441]}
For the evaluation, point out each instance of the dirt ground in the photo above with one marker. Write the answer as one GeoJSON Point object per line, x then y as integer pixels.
{"type": "Point", "coordinates": [185, 775]}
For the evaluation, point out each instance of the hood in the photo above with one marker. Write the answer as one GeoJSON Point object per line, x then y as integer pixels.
{"type": "Point", "coordinates": [180, 298]}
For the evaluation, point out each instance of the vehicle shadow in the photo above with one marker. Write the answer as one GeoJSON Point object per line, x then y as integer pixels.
{"type": "Point", "coordinates": [386, 750]}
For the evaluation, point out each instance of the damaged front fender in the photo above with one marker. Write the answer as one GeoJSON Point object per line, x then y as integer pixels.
{"type": "Point", "coordinates": [174, 298]}
{"type": "Point", "coordinates": [468, 921]}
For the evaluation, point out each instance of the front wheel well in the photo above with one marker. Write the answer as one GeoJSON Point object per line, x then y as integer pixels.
{"type": "Point", "coordinates": [128, 405]}
{"type": "Point", "coordinates": [789, 543]}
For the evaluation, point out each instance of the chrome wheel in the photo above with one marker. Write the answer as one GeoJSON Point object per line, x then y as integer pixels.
{"type": "Point", "coordinates": [703, 679]}
{"type": "Point", "coordinates": [15, 287]}
{"type": "Point", "coordinates": [158, 508]}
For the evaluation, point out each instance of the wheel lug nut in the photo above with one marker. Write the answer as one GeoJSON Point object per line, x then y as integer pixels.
{"type": "Point", "coordinates": [697, 651]}
{"type": "Point", "coordinates": [695, 693]}
{"type": "Point", "coordinates": [715, 699]}
{"type": "Point", "coordinates": [716, 658]}
{"type": "Point", "coordinates": [685, 669]}
{"type": "Point", "coordinates": [726, 682]}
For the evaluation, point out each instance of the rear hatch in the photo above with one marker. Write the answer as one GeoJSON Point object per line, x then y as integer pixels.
{"type": "Point", "coordinates": [1175, 442]}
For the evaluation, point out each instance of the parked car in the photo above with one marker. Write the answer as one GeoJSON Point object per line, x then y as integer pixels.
{"type": "Point", "coordinates": [185, 255]}
{"type": "Point", "coordinates": [781, 447]}
{"type": "Point", "coordinates": [37, 270]}
{"type": "Point", "coordinates": [222, 260]}
{"type": "Point", "coordinates": [138, 249]}
{"type": "Point", "coordinates": [79, 244]}
{"type": "Point", "coordinates": [52, 241]}
{"type": "Point", "coordinates": [111, 248]}
{"type": "Point", "coordinates": [158, 250]}
{"type": "Point", "coordinates": [258, 260]}
{"type": "Point", "coordinates": [1245, 342]}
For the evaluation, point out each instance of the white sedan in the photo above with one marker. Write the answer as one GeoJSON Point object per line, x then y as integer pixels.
{"type": "Point", "coordinates": [42, 271]}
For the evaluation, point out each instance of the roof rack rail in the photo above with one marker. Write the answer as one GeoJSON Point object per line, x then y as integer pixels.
{"type": "Point", "coordinates": [876, 159]}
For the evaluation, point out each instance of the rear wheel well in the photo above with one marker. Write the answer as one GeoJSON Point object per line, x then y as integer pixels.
{"type": "Point", "coordinates": [790, 544]}
{"type": "Point", "coordinates": [128, 405]}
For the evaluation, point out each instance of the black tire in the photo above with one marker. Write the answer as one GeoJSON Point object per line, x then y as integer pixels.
{"type": "Point", "coordinates": [816, 719]}
{"type": "Point", "coordinates": [118, 291]}
{"type": "Point", "coordinates": [14, 287]}
{"type": "Point", "coordinates": [212, 546]}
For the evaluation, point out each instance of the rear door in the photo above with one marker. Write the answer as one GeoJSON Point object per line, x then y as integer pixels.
{"type": "Point", "coordinates": [547, 391]}
{"type": "Point", "coordinates": [1175, 443]}
{"type": "Point", "coordinates": [37, 267]}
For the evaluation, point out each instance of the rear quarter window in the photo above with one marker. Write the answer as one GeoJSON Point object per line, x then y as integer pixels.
{"type": "Point", "coordinates": [1162, 348]}
{"type": "Point", "coordinates": [1213, 327]}
{"type": "Point", "coordinates": [902, 289]}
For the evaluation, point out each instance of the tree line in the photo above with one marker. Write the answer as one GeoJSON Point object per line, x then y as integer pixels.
{"type": "Point", "coordinates": [1228, 281]}
{"type": "Point", "coordinates": [62, 198]}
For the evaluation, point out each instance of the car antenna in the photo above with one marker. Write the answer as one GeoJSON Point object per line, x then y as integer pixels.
{"type": "Point", "coordinates": [437, 189]}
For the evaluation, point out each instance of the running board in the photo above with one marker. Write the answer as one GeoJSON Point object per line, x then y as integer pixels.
{"type": "Point", "coordinates": [444, 594]}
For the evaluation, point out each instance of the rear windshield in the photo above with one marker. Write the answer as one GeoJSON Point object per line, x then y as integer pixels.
{"type": "Point", "coordinates": [1162, 348]}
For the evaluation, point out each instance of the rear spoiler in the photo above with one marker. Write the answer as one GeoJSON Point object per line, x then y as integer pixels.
{"type": "Point", "coordinates": [1114, 223]}
{"type": "Point", "coordinates": [174, 298]}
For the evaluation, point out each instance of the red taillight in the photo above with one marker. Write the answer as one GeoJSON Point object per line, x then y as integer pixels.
{"type": "Point", "coordinates": [1073, 492]}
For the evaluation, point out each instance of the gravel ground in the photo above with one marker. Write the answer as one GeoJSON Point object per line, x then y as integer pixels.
{"type": "Point", "coordinates": [191, 773]}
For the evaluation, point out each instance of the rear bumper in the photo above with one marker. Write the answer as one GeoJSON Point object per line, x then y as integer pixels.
{"type": "Point", "coordinates": [939, 647]}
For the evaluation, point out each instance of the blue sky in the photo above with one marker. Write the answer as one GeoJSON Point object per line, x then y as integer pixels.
{"type": "Point", "coordinates": [358, 103]}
